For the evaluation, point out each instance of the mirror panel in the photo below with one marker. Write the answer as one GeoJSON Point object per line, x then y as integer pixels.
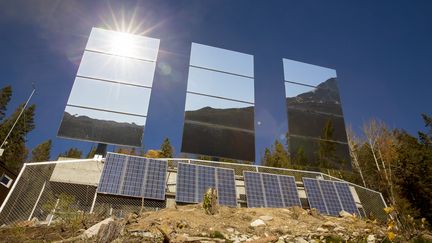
{"type": "Point", "coordinates": [220, 84]}
{"type": "Point", "coordinates": [311, 124]}
{"type": "Point", "coordinates": [123, 44]}
{"type": "Point", "coordinates": [204, 109]}
{"type": "Point", "coordinates": [115, 68]}
{"type": "Point", "coordinates": [306, 152]}
{"type": "Point", "coordinates": [305, 73]}
{"type": "Point", "coordinates": [109, 96]}
{"type": "Point", "coordinates": [221, 60]}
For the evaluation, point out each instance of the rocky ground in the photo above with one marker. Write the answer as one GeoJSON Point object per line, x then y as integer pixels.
{"type": "Point", "coordinates": [192, 224]}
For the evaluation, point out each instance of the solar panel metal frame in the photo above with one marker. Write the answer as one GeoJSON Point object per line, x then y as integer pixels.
{"type": "Point", "coordinates": [133, 181]}
{"type": "Point", "coordinates": [288, 198]}
{"type": "Point", "coordinates": [197, 198]}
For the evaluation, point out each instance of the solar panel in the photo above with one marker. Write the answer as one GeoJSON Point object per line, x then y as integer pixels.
{"type": "Point", "coordinates": [154, 187]}
{"type": "Point", "coordinates": [270, 190]}
{"type": "Point", "coordinates": [112, 174]}
{"type": "Point", "coordinates": [331, 197]}
{"type": "Point", "coordinates": [226, 187]}
{"type": "Point", "coordinates": [133, 181]}
{"type": "Point", "coordinates": [133, 176]}
{"type": "Point", "coordinates": [194, 180]}
{"type": "Point", "coordinates": [346, 197]}
{"type": "Point", "coordinates": [289, 191]}
{"type": "Point", "coordinates": [314, 195]}
{"type": "Point", "coordinates": [206, 180]}
{"type": "Point", "coordinates": [254, 190]}
{"type": "Point", "coordinates": [186, 183]}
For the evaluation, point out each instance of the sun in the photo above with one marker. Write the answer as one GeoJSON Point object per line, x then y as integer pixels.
{"type": "Point", "coordinates": [122, 44]}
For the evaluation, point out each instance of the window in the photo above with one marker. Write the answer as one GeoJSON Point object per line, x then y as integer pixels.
{"type": "Point", "coordinates": [6, 180]}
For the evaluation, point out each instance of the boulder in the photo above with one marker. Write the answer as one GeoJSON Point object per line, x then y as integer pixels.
{"type": "Point", "coordinates": [257, 223]}
{"type": "Point", "coordinates": [371, 239]}
{"type": "Point", "coordinates": [266, 218]}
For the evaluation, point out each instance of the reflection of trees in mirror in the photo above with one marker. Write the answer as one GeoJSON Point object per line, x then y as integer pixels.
{"type": "Point", "coordinates": [221, 159]}
{"type": "Point", "coordinates": [277, 156]}
{"type": "Point", "coordinates": [327, 149]}
{"type": "Point", "coordinates": [72, 153]}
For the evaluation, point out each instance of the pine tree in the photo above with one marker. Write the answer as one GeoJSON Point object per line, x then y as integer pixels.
{"type": "Point", "coordinates": [72, 153]}
{"type": "Point", "coordinates": [5, 96]}
{"type": "Point", "coordinates": [166, 149]}
{"type": "Point", "coordinates": [426, 138]}
{"type": "Point", "coordinates": [15, 150]}
{"type": "Point", "coordinates": [42, 152]}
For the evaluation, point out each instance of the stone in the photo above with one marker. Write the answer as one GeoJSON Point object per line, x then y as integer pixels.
{"type": "Point", "coordinates": [371, 239]}
{"type": "Point", "coordinates": [266, 218]}
{"type": "Point", "coordinates": [329, 224]}
{"type": "Point", "coordinates": [339, 229]}
{"type": "Point", "coordinates": [355, 234]}
{"type": "Point", "coordinates": [109, 232]}
{"type": "Point", "coordinates": [92, 231]}
{"type": "Point", "coordinates": [300, 240]}
{"type": "Point", "coordinates": [345, 214]}
{"type": "Point", "coordinates": [231, 230]}
{"type": "Point", "coordinates": [257, 223]}
{"type": "Point", "coordinates": [321, 230]}
{"type": "Point", "coordinates": [427, 237]}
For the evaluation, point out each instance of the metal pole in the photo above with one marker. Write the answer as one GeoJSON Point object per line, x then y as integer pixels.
{"type": "Point", "coordinates": [16, 121]}
{"type": "Point", "coordinates": [94, 201]}
{"type": "Point", "coordinates": [37, 201]}
{"type": "Point", "coordinates": [13, 188]}
{"type": "Point", "coordinates": [53, 211]}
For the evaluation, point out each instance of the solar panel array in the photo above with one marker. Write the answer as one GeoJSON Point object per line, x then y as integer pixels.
{"type": "Point", "coordinates": [194, 180]}
{"type": "Point", "coordinates": [269, 190]}
{"type": "Point", "coordinates": [133, 176]}
{"type": "Point", "coordinates": [329, 197]}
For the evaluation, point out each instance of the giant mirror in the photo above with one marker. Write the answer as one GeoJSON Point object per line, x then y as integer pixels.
{"type": "Point", "coordinates": [110, 96]}
{"type": "Point", "coordinates": [316, 128]}
{"type": "Point", "coordinates": [219, 109]}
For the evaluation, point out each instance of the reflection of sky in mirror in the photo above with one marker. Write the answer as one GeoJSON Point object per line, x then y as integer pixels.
{"type": "Point", "coordinates": [222, 60]}
{"type": "Point", "coordinates": [220, 84]}
{"type": "Point", "coordinates": [123, 44]}
{"type": "Point", "coordinates": [293, 90]}
{"type": "Point", "coordinates": [110, 96]}
{"type": "Point", "coordinates": [107, 116]}
{"type": "Point", "coordinates": [116, 68]}
{"type": "Point", "coordinates": [196, 102]}
{"type": "Point", "coordinates": [300, 72]}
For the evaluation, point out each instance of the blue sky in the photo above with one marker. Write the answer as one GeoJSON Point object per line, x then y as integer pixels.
{"type": "Point", "coordinates": [381, 51]}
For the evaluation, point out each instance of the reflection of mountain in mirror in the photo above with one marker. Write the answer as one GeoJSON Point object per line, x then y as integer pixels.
{"type": "Point", "coordinates": [101, 126]}
{"type": "Point", "coordinates": [324, 98]}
